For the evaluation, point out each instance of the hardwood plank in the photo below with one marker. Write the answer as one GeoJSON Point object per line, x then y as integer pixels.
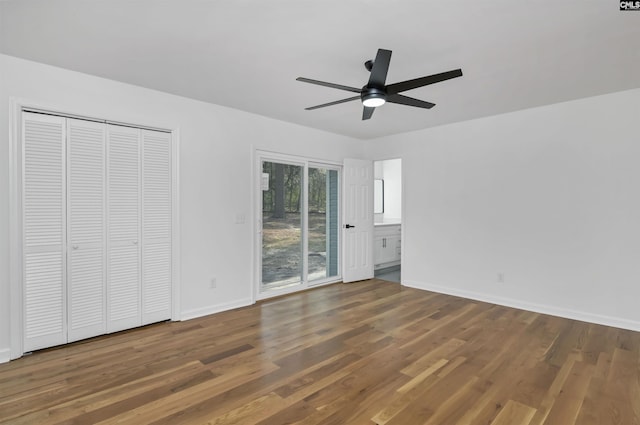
{"type": "Point", "coordinates": [406, 396]}
{"type": "Point", "coordinates": [436, 402]}
{"type": "Point", "coordinates": [554, 390]}
{"type": "Point", "coordinates": [515, 413]}
{"type": "Point", "coordinates": [568, 403]}
{"type": "Point", "coordinates": [434, 354]}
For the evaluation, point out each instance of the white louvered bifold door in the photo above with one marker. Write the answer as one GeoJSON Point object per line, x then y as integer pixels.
{"type": "Point", "coordinates": [43, 208]}
{"type": "Point", "coordinates": [86, 299]}
{"type": "Point", "coordinates": [97, 228]}
{"type": "Point", "coordinates": [156, 226]}
{"type": "Point", "coordinates": [123, 247]}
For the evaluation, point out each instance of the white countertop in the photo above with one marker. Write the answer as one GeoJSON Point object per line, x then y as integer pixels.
{"type": "Point", "coordinates": [388, 223]}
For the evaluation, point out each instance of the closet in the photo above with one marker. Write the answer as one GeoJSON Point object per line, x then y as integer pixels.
{"type": "Point", "coordinates": [96, 226]}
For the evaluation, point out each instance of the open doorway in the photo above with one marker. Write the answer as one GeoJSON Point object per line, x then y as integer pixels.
{"type": "Point", "coordinates": [388, 219]}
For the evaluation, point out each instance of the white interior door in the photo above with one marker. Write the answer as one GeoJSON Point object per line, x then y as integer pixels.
{"type": "Point", "coordinates": [156, 226]}
{"type": "Point", "coordinates": [85, 229]}
{"type": "Point", "coordinates": [358, 220]}
{"type": "Point", "coordinates": [123, 235]}
{"type": "Point", "coordinates": [44, 229]}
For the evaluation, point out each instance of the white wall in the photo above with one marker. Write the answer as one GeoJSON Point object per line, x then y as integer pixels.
{"type": "Point", "coordinates": [548, 197]}
{"type": "Point", "coordinates": [216, 146]}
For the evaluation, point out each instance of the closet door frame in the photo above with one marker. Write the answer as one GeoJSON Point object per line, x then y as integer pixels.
{"type": "Point", "coordinates": [16, 248]}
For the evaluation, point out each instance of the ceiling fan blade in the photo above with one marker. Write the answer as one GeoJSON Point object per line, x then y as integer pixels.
{"type": "Point", "coordinates": [367, 112]}
{"type": "Point", "coordinates": [380, 68]}
{"type": "Point", "coordinates": [422, 81]}
{"type": "Point", "coordinates": [334, 86]}
{"type": "Point", "coordinates": [409, 101]}
{"type": "Point", "coordinates": [337, 102]}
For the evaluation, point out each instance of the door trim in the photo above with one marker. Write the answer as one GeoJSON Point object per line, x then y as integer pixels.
{"type": "Point", "coordinates": [16, 301]}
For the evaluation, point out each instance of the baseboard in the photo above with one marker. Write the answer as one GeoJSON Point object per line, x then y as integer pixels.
{"type": "Point", "coordinates": [599, 319]}
{"type": "Point", "coordinates": [217, 308]}
{"type": "Point", "coordinates": [5, 355]}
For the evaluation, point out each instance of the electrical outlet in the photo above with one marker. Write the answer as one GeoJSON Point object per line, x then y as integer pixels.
{"type": "Point", "coordinates": [500, 277]}
{"type": "Point", "coordinates": [212, 283]}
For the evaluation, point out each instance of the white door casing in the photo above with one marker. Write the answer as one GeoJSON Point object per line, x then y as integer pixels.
{"type": "Point", "coordinates": [358, 220]}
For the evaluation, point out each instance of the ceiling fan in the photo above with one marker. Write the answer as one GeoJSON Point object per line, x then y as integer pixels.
{"type": "Point", "coordinates": [376, 93]}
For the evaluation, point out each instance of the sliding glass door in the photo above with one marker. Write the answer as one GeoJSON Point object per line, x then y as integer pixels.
{"type": "Point", "coordinates": [282, 248]}
{"type": "Point", "coordinates": [323, 223]}
{"type": "Point", "coordinates": [299, 220]}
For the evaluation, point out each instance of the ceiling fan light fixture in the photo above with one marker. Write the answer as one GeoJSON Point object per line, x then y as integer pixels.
{"type": "Point", "coordinates": [373, 102]}
{"type": "Point", "coordinates": [372, 98]}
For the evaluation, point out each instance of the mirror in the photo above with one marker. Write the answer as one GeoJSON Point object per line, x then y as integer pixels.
{"type": "Point", "coordinates": [378, 196]}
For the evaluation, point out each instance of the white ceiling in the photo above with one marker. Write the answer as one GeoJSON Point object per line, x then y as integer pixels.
{"type": "Point", "coordinates": [246, 54]}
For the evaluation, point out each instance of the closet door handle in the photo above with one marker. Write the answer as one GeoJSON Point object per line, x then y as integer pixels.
{"type": "Point", "coordinates": [135, 242]}
{"type": "Point", "coordinates": [75, 247]}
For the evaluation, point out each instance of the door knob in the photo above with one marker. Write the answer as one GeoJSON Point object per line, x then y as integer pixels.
{"type": "Point", "coordinates": [348, 226]}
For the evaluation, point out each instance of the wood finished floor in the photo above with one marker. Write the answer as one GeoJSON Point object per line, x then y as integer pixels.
{"type": "Point", "coordinates": [371, 352]}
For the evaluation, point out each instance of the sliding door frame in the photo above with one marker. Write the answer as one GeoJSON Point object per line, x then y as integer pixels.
{"type": "Point", "coordinates": [306, 162]}
{"type": "Point", "coordinates": [16, 300]}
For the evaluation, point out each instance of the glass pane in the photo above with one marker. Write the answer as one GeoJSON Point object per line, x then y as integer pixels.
{"type": "Point", "coordinates": [282, 225]}
{"type": "Point", "coordinates": [323, 223]}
